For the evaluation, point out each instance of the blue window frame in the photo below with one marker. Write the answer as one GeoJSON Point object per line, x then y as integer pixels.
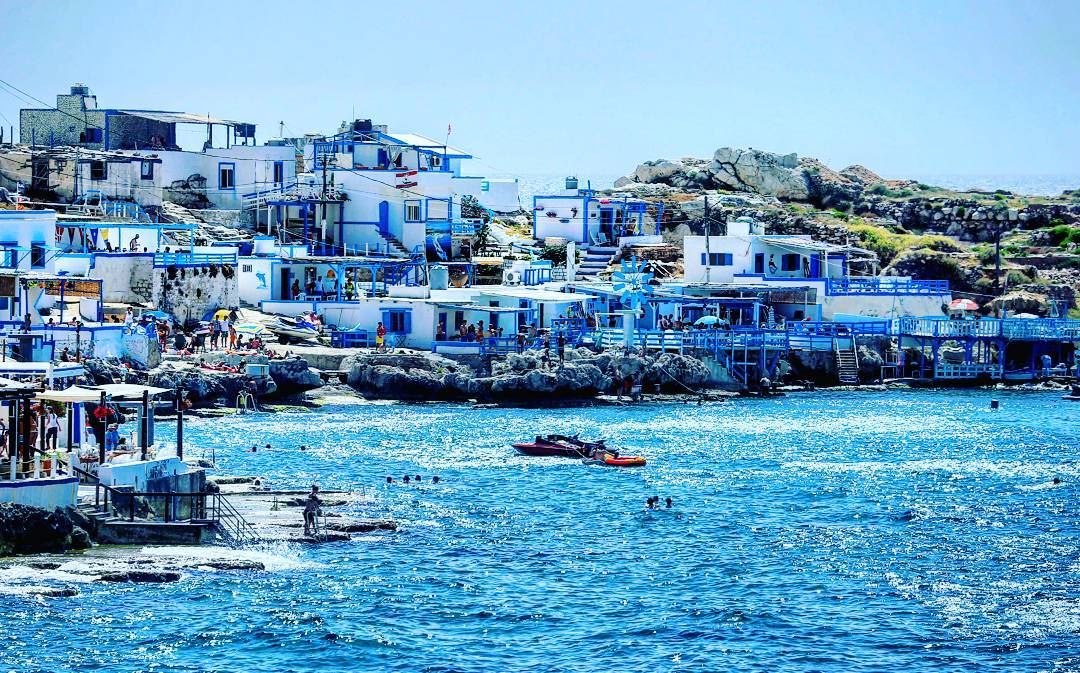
{"type": "Point", "coordinates": [717, 259]}
{"type": "Point", "coordinates": [413, 211]}
{"type": "Point", "coordinates": [438, 210]}
{"type": "Point", "coordinates": [146, 170]}
{"type": "Point", "coordinates": [790, 262]}
{"type": "Point", "coordinates": [37, 255]}
{"type": "Point", "coordinates": [279, 172]}
{"type": "Point", "coordinates": [93, 135]}
{"type": "Point", "coordinates": [9, 255]}
{"type": "Point", "coordinates": [397, 320]}
{"type": "Point", "coordinates": [226, 175]}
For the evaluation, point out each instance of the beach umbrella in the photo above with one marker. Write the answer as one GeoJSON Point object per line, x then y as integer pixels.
{"type": "Point", "coordinates": [221, 314]}
{"type": "Point", "coordinates": [1026, 316]}
{"type": "Point", "coordinates": [707, 320]}
{"type": "Point", "coordinates": [963, 305]}
{"type": "Point", "coordinates": [251, 328]}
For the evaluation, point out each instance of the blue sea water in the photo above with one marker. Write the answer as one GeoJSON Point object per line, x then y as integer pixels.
{"type": "Point", "coordinates": [832, 531]}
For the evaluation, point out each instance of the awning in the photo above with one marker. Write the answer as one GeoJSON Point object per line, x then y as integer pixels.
{"type": "Point", "coordinates": [129, 391]}
{"type": "Point", "coordinates": [178, 117]}
{"type": "Point", "coordinates": [9, 384]}
{"type": "Point", "coordinates": [71, 394]}
{"type": "Point", "coordinates": [483, 309]}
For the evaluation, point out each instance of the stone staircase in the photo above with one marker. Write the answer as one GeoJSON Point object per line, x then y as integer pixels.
{"type": "Point", "coordinates": [395, 246]}
{"type": "Point", "coordinates": [847, 361]}
{"type": "Point", "coordinates": [596, 260]}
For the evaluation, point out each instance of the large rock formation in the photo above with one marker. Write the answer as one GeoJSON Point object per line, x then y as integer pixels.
{"type": "Point", "coordinates": [31, 530]}
{"type": "Point", "coordinates": [760, 172]}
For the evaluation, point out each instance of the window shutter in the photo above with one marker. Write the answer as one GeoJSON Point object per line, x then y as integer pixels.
{"type": "Point", "coordinates": [704, 261]}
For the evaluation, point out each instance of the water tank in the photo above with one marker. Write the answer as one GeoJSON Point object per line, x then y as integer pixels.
{"type": "Point", "coordinates": [571, 183]}
{"type": "Point", "coordinates": [440, 277]}
{"type": "Point", "coordinates": [79, 89]}
{"type": "Point", "coordinates": [362, 125]}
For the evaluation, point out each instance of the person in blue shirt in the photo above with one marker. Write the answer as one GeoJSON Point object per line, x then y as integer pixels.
{"type": "Point", "coordinates": [112, 438]}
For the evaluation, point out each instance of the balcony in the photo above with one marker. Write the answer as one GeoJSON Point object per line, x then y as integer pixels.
{"type": "Point", "coordinates": [884, 285]}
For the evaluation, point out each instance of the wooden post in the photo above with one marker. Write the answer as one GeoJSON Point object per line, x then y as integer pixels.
{"type": "Point", "coordinates": [101, 444]}
{"type": "Point", "coordinates": [179, 423]}
{"type": "Point", "coordinates": [144, 428]}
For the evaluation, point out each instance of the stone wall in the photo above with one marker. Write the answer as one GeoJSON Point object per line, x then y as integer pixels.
{"type": "Point", "coordinates": [191, 292]}
{"type": "Point", "coordinates": [125, 278]}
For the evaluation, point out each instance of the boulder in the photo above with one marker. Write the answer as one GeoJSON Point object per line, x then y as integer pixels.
{"type": "Point", "coordinates": [292, 375]}
{"type": "Point", "coordinates": [760, 172]}
{"type": "Point", "coordinates": [660, 170]}
{"type": "Point", "coordinates": [31, 530]}
{"type": "Point", "coordinates": [140, 576]}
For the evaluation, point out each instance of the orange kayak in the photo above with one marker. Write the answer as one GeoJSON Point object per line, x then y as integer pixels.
{"type": "Point", "coordinates": [624, 461]}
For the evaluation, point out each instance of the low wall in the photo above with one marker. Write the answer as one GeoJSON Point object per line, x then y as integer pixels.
{"type": "Point", "coordinates": [47, 494]}
{"type": "Point", "coordinates": [125, 277]}
{"type": "Point", "coordinates": [884, 306]}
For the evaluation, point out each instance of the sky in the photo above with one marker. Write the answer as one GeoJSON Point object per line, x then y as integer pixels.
{"type": "Point", "coordinates": [572, 87]}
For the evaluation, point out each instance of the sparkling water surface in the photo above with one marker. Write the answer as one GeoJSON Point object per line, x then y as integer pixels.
{"type": "Point", "coordinates": [832, 531]}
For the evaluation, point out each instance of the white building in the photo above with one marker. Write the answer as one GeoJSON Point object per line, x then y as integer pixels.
{"type": "Point", "coordinates": [821, 271]}
{"type": "Point", "coordinates": [91, 152]}
{"type": "Point", "coordinates": [592, 219]}
{"type": "Point", "coordinates": [370, 190]}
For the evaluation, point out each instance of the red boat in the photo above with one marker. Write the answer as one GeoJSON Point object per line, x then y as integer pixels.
{"type": "Point", "coordinates": [559, 446]}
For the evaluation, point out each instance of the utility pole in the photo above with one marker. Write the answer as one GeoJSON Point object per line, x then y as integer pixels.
{"type": "Point", "coordinates": [708, 253]}
{"type": "Point", "coordinates": [997, 258]}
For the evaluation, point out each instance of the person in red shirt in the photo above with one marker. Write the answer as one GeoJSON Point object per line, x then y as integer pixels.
{"type": "Point", "coordinates": [380, 338]}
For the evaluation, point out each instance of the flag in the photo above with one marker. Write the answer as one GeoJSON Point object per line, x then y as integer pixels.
{"type": "Point", "coordinates": [449, 128]}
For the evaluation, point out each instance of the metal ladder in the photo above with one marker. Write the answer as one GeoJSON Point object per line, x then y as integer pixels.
{"type": "Point", "coordinates": [847, 361]}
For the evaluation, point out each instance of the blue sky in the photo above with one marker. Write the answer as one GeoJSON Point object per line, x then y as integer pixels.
{"type": "Point", "coordinates": [905, 88]}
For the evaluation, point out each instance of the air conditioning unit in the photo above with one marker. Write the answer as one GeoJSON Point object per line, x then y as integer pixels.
{"type": "Point", "coordinates": [511, 277]}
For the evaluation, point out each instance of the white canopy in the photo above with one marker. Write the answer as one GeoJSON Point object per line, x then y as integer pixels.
{"type": "Point", "coordinates": [129, 391]}
{"type": "Point", "coordinates": [71, 394]}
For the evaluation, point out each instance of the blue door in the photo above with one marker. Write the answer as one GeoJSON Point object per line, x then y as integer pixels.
{"type": "Point", "coordinates": [759, 263]}
{"type": "Point", "coordinates": [384, 158]}
{"type": "Point", "coordinates": [815, 266]}
{"type": "Point", "coordinates": [384, 218]}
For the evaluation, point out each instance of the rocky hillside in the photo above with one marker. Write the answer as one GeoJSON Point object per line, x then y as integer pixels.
{"type": "Point", "coordinates": [914, 228]}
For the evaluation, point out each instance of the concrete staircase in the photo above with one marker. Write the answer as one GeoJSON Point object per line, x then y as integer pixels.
{"type": "Point", "coordinates": [396, 247]}
{"type": "Point", "coordinates": [847, 361]}
{"type": "Point", "coordinates": [596, 260]}
{"type": "Point", "coordinates": [109, 529]}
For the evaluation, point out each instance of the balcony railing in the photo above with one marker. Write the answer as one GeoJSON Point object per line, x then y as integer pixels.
{"type": "Point", "coordinates": [885, 285]}
{"type": "Point", "coordinates": [193, 258]}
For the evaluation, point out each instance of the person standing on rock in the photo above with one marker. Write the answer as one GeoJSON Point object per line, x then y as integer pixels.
{"type": "Point", "coordinates": [311, 510]}
{"type": "Point", "coordinates": [380, 338]}
{"type": "Point", "coordinates": [561, 346]}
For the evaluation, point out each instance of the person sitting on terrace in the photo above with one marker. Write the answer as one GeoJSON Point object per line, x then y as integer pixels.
{"type": "Point", "coordinates": [295, 289]}
{"type": "Point", "coordinates": [463, 331]}
{"type": "Point", "coordinates": [309, 288]}
{"type": "Point", "coordinates": [134, 245]}
{"type": "Point", "coordinates": [112, 438]}
{"type": "Point", "coordinates": [772, 264]}
{"type": "Point", "coordinates": [440, 332]}
{"type": "Point", "coordinates": [350, 289]}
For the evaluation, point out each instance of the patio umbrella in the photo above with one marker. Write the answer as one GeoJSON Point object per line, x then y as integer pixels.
{"type": "Point", "coordinates": [250, 328]}
{"type": "Point", "coordinates": [963, 305]}
{"type": "Point", "coordinates": [221, 314]}
{"type": "Point", "coordinates": [707, 320]}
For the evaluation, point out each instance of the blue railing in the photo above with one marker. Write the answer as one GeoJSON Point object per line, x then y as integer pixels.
{"type": "Point", "coordinates": [536, 276]}
{"type": "Point", "coordinates": [193, 258]}
{"type": "Point", "coordinates": [813, 328]}
{"type": "Point", "coordinates": [1021, 329]}
{"type": "Point", "coordinates": [357, 338]}
{"type": "Point", "coordinates": [885, 285]}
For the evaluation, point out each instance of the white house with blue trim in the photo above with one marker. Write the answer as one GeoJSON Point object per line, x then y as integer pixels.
{"type": "Point", "coordinates": [587, 217]}
{"type": "Point", "coordinates": [820, 271]}
{"type": "Point", "coordinates": [374, 191]}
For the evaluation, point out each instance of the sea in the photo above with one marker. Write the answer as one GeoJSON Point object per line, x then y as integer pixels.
{"type": "Point", "coordinates": [891, 530]}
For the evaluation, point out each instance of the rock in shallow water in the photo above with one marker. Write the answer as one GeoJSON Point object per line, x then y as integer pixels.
{"type": "Point", "coordinates": [141, 576]}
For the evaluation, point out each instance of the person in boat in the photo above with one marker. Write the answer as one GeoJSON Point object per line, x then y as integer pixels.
{"type": "Point", "coordinates": [311, 509]}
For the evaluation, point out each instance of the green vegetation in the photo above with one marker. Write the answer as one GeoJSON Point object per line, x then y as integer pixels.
{"type": "Point", "coordinates": [889, 245]}
{"type": "Point", "coordinates": [556, 254]}
{"type": "Point", "coordinates": [1062, 235]}
{"type": "Point", "coordinates": [1014, 278]}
